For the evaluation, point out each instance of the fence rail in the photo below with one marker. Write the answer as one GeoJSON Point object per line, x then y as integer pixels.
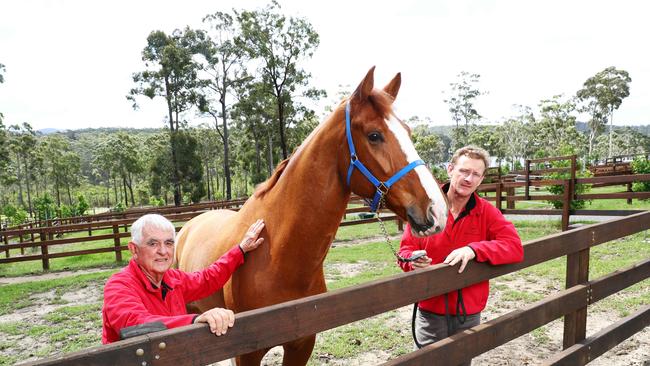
{"type": "Point", "coordinates": [277, 324]}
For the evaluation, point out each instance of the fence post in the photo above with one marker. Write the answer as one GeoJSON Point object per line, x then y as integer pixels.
{"type": "Point", "coordinates": [498, 195]}
{"type": "Point", "coordinates": [31, 227]}
{"type": "Point", "coordinates": [6, 240]}
{"type": "Point", "coordinates": [116, 241]}
{"type": "Point", "coordinates": [527, 171]}
{"type": "Point", "coordinates": [629, 189]}
{"type": "Point", "coordinates": [44, 252]}
{"type": "Point", "coordinates": [510, 192]}
{"type": "Point", "coordinates": [573, 176]}
{"type": "Point", "coordinates": [575, 323]}
{"type": "Point", "coordinates": [400, 224]}
{"type": "Point", "coordinates": [566, 205]}
{"type": "Point", "coordinates": [20, 240]}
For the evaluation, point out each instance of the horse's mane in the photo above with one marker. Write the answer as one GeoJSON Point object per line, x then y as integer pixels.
{"type": "Point", "coordinates": [269, 183]}
{"type": "Point", "coordinates": [380, 101]}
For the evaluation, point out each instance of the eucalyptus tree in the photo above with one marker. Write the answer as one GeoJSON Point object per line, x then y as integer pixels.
{"type": "Point", "coordinates": [253, 115]}
{"type": "Point", "coordinates": [22, 143]}
{"type": "Point", "coordinates": [461, 99]}
{"type": "Point", "coordinates": [555, 130]}
{"type": "Point", "coordinates": [118, 154]}
{"type": "Point", "coordinates": [171, 73]}
{"type": "Point", "coordinates": [226, 71]}
{"type": "Point", "coordinates": [209, 152]}
{"type": "Point", "coordinates": [518, 136]}
{"type": "Point", "coordinates": [4, 150]}
{"type": "Point", "coordinates": [63, 165]}
{"type": "Point", "coordinates": [429, 146]}
{"type": "Point", "coordinates": [603, 93]}
{"type": "Point", "coordinates": [491, 139]}
{"type": "Point", "coordinates": [280, 43]}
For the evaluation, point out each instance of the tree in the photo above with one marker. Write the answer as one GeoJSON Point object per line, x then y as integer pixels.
{"type": "Point", "coordinates": [118, 154]}
{"type": "Point", "coordinates": [462, 97]}
{"type": "Point", "coordinates": [429, 146]}
{"type": "Point", "coordinates": [4, 151]}
{"type": "Point", "coordinates": [22, 143]}
{"type": "Point", "coordinates": [555, 131]}
{"type": "Point", "coordinates": [62, 164]}
{"type": "Point", "coordinates": [172, 74]}
{"type": "Point", "coordinates": [224, 65]}
{"type": "Point", "coordinates": [604, 92]}
{"type": "Point", "coordinates": [279, 43]}
{"type": "Point", "coordinates": [518, 136]}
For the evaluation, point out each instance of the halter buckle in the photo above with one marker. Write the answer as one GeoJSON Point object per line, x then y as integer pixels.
{"type": "Point", "coordinates": [382, 188]}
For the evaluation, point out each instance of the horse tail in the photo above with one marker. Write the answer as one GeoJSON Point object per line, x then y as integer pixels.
{"type": "Point", "coordinates": [269, 183]}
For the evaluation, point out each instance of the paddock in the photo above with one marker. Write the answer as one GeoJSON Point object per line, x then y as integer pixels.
{"type": "Point", "coordinates": [276, 324]}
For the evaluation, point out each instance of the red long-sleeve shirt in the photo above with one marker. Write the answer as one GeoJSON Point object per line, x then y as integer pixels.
{"type": "Point", "coordinates": [131, 299]}
{"type": "Point", "coordinates": [480, 226]}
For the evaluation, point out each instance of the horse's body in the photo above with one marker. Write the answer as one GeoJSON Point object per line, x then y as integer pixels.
{"type": "Point", "coordinates": [302, 205]}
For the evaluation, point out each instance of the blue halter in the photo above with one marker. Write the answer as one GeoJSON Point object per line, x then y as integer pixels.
{"type": "Point", "coordinates": [382, 187]}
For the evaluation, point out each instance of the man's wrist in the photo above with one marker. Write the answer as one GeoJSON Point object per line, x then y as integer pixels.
{"type": "Point", "coordinates": [241, 249]}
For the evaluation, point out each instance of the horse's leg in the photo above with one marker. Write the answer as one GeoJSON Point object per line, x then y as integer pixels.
{"type": "Point", "coordinates": [252, 359]}
{"type": "Point", "coordinates": [296, 353]}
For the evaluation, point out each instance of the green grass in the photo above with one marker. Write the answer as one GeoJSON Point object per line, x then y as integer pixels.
{"type": "Point", "coordinates": [17, 296]}
{"type": "Point", "coordinates": [364, 231]}
{"type": "Point", "coordinates": [363, 336]}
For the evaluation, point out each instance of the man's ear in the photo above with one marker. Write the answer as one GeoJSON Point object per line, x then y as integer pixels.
{"type": "Point", "coordinates": [133, 248]}
{"type": "Point", "coordinates": [450, 167]}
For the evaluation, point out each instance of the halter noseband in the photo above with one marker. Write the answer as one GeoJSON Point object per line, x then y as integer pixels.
{"type": "Point", "coordinates": [382, 187]}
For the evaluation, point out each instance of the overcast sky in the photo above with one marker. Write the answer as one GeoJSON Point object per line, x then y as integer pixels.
{"type": "Point", "coordinates": [69, 63]}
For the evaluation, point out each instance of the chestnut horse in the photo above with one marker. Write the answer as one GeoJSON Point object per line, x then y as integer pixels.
{"type": "Point", "coordinates": [303, 203]}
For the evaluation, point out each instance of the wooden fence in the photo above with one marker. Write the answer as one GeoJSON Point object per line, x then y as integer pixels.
{"type": "Point", "coordinates": [46, 235]}
{"type": "Point", "coordinates": [270, 326]}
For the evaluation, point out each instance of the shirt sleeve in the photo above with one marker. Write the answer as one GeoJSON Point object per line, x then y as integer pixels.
{"type": "Point", "coordinates": [407, 246]}
{"type": "Point", "coordinates": [197, 285]}
{"type": "Point", "coordinates": [503, 244]}
{"type": "Point", "coordinates": [123, 307]}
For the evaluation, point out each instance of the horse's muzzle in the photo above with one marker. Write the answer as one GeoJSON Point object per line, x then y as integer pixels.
{"type": "Point", "coordinates": [425, 225]}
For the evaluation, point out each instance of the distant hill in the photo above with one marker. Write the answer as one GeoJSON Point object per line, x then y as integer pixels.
{"type": "Point", "coordinates": [47, 131]}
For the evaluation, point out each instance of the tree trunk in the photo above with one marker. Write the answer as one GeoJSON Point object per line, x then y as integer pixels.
{"type": "Point", "coordinates": [117, 199]}
{"type": "Point", "coordinates": [67, 188]}
{"type": "Point", "coordinates": [176, 181]}
{"type": "Point", "coordinates": [283, 143]}
{"type": "Point", "coordinates": [130, 184]}
{"type": "Point", "coordinates": [207, 173]}
{"type": "Point", "coordinates": [58, 191]}
{"type": "Point", "coordinates": [611, 130]}
{"type": "Point", "coordinates": [126, 195]}
{"type": "Point", "coordinates": [270, 156]}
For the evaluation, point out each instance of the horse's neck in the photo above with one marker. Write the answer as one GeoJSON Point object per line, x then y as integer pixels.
{"type": "Point", "coordinates": [309, 199]}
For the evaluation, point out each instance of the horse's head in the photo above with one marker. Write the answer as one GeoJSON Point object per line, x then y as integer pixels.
{"type": "Point", "coordinates": [384, 162]}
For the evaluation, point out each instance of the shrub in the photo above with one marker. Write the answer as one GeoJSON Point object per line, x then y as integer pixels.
{"type": "Point", "coordinates": [641, 166]}
{"type": "Point", "coordinates": [559, 188]}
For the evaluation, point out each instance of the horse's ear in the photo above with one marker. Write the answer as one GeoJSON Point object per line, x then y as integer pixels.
{"type": "Point", "coordinates": [366, 85]}
{"type": "Point", "coordinates": [392, 88]}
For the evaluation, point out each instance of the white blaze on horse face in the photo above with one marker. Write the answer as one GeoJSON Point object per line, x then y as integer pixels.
{"type": "Point", "coordinates": [426, 178]}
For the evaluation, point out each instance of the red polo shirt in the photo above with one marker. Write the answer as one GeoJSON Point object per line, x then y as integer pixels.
{"type": "Point", "coordinates": [131, 299]}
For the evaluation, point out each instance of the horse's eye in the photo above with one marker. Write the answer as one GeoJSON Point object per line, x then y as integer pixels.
{"type": "Point", "coordinates": [375, 137]}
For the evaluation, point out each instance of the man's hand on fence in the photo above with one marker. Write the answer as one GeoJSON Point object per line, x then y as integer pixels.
{"type": "Point", "coordinates": [218, 319]}
{"type": "Point", "coordinates": [463, 255]}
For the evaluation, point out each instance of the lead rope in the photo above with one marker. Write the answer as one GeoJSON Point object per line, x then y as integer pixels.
{"type": "Point", "coordinates": [382, 226]}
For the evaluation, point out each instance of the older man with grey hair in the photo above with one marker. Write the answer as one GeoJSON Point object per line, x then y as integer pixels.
{"type": "Point", "coordinates": [148, 290]}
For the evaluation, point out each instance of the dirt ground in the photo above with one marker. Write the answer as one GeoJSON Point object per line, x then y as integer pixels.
{"type": "Point", "coordinates": [530, 349]}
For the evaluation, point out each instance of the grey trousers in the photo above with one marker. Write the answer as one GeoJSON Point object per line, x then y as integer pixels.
{"type": "Point", "coordinates": [430, 327]}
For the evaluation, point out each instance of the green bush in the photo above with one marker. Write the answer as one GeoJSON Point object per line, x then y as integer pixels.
{"type": "Point", "coordinates": [641, 166]}
{"type": "Point", "coordinates": [559, 188]}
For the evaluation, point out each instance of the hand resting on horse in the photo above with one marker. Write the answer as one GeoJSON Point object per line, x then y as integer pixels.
{"type": "Point", "coordinates": [220, 319]}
